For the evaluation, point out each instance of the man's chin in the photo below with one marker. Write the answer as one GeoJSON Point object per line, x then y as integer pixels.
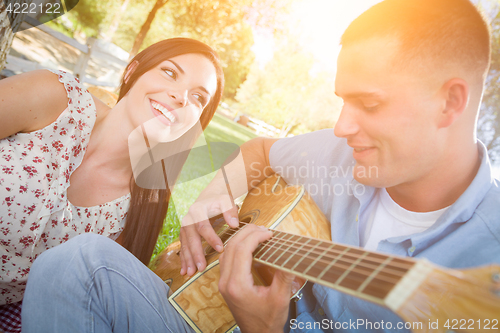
{"type": "Point", "coordinates": [367, 175]}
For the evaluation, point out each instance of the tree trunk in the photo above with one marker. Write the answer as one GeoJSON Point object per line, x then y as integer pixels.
{"type": "Point", "coordinates": [6, 29]}
{"type": "Point", "coordinates": [116, 21]}
{"type": "Point", "coordinates": [139, 39]}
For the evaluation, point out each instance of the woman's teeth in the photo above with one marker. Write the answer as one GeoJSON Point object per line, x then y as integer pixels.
{"type": "Point", "coordinates": [170, 116]}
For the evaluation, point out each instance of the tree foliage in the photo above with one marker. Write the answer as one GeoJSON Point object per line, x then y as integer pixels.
{"type": "Point", "coordinates": [226, 25]}
{"type": "Point", "coordinates": [489, 119]}
{"type": "Point", "coordinates": [287, 95]}
{"type": "Point", "coordinates": [222, 25]}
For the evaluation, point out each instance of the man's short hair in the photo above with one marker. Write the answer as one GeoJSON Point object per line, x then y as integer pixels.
{"type": "Point", "coordinates": [447, 32]}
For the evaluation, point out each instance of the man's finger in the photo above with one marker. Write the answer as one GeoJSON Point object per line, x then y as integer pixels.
{"type": "Point", "coordinates": [238, 254]}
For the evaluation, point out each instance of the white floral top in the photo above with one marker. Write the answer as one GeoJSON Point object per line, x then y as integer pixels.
{"type": "Point", "coordinates": [35, 214]}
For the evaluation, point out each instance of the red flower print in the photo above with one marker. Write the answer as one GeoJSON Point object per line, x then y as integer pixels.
{"type": "Point", "coordinates": [26, 241]}
{"type": "Point", "coordinates": [31, 170]}
{"type": "Point", "coordinates": [23, 189]}
{"type": "Point", "coordinates": [30, 145]}
{"type": "Point", "coordinates": [9, 201]}
{"type": "Point", "coordinates": [37, 159]}
{"type": "Point", "coordinates": [7, 170]}
{"type": "Point", "coordinates": [77, 150]}
{"type": "Point", "coordinates": [30, 209]}
{"type": "Point", "coordinates": [88, 228]}
{"type": "Point", "coordinates": [57, 145]}
{"type": "Point", "coordinates": [38, 193]}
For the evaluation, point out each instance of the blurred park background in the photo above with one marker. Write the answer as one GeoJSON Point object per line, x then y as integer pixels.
{"type": "Point", "coordinates": [279, 58]}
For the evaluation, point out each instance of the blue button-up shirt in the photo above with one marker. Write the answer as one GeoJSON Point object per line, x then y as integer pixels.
{"type": "Point", "coordinates": [466, 235]}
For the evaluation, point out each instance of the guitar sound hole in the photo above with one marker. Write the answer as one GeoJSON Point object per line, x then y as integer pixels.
{"type": "Point", "coordinates": [245, 220]}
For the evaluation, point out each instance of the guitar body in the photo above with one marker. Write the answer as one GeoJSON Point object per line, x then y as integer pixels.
{"type": "Point", "coordinates": [416, 290]}
{"type": "Point", "coordinates": [272, 204]}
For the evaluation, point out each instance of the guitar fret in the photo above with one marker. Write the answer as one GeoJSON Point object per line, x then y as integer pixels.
{"type": "Point", "coordinates": [350, 268]}
{"type": "Point", "coordinates": [305, 256]}
{"type": "Point", "coordinates": [296, 251]}
{"type": "Point", "coordinates": [283, 235]}
{"type": "Point", "coordinates": [372, 275]}
{"type": "Point", "coordinates": [267, 250]}
{"type": "Point", "coordinates": [333, 262]}
{"type": "Point", "coordinates": [282, 252]}
{"type": "Point", "coordinates": [318, 258]}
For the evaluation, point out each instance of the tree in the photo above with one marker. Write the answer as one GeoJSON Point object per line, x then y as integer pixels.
{"type": "Point", "coordinates": [226, 25]}
{"type": "Point", "coordinates": [285, 93]}
{"type": "Point", "coordinates": [9, 24]}
{"type": "Point", "coordinates": [222, 25]}
{"type": "Point", "coordinates": [139, 39]}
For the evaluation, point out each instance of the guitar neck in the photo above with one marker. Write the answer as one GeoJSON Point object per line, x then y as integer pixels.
{"type": "Point", "coordinates": [376, 277]}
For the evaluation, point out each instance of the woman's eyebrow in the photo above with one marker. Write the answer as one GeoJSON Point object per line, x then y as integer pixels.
{"type": "Point", "coordinates": [205, 90]}
{"type": "Point", "coordinates": [177, 65]}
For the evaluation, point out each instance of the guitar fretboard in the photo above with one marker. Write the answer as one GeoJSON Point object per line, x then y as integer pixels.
{"type": "Point", "coordinates": [349, 269]}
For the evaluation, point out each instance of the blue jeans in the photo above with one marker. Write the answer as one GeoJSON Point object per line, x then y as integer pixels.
{"type": "Point", "coordinates": [92, 284]}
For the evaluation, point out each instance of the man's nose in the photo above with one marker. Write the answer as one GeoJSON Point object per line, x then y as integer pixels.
{"type": "Point", "coordinates": [347, 124]}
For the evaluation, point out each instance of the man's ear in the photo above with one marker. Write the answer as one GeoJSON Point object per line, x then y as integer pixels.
{"type": "Point", "coordinates": [456, 93]}
{"type": "Point", "coordinates": [130, 70]}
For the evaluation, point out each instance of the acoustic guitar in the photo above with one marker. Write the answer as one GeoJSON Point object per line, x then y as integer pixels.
{"type": "Point", "coordinates": [416, 290]}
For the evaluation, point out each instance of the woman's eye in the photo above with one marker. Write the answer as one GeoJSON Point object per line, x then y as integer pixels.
{"type": "Point", "coordinates": [201, 99]}
{"type": "Point", "coordinates": [371, 107]}
{"type": "Point", "coordinates": [170, 72]}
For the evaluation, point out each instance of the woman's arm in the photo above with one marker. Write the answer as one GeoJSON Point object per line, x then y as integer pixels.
{"type": "Point", "coordinates": [30, 101]}
{"type": "Point", "coordinates": [243, 174]}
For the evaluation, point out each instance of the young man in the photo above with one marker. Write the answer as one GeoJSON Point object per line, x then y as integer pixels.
{"type": "Point", "coordinates": [411, 74]}
{"type": "Point", "coordinates": [405, 175]}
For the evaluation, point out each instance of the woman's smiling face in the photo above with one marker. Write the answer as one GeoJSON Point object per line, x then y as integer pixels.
{"type": "Point", "coordinates": [171, 96]}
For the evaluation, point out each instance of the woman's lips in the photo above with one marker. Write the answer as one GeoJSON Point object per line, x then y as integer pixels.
{"type": "Point", "coordinates": [166, 114]}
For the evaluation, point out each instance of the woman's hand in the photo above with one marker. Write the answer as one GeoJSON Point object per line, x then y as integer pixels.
{"type": "Point", "coordinates": [255, 308]}
{"type": "Point", "coordinates": [242, 174]}
{"type": "Point", "coordinates": [196, 225]}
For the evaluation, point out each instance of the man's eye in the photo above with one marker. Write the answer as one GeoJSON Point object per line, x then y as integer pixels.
{"type": "Point", "coordinates": [170, 72]}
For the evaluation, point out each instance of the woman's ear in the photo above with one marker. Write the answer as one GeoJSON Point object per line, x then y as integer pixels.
{"type": "Point", "coordinates": [130, 70]}
{"type": "Point", "coordinates": [456, 92]}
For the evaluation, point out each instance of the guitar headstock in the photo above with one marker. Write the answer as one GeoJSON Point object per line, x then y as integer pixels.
{"type": "Point", "coordinates": [456, 300]}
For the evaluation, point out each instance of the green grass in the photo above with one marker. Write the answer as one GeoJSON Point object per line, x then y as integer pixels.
{"type": "Point", "coordinates": [199, 163]}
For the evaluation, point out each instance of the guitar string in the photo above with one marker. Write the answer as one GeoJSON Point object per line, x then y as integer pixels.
{"type": "Point", "coordinates": [358, 271]}
{"type": "Point", "coordinates": [377, 262]}
{"type": "Point", "coordinates": [363, 273]}
{"type": "Point", "coordinates": [374, 284]}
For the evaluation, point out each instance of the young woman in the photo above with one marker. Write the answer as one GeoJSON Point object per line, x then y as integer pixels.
{"type": "Point", "coordinates": [65, 162]}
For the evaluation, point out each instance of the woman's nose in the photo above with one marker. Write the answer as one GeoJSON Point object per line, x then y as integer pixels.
{"type": "Point", "coordinates": [179, 97]}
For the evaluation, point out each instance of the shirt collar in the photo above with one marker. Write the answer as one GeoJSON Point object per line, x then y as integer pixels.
{"type": "Point", "coordinates": [465, 206]}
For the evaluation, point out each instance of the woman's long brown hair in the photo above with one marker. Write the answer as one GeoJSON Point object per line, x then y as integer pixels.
{"type": "Point", "coordinates": [148, 207]}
